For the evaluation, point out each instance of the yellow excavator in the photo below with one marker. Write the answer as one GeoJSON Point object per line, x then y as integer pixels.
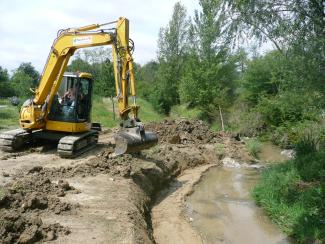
{"type": "Point", "coordinates": [60, 109]}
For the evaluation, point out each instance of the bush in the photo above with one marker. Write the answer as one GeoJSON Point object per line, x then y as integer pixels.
{"type": "Point", "coordinates": [245, 121]}
{"type": "Point", "coordinates": [6, 89]}
{"type": "Point", "coordinates": [254, 147]}
{"type": "Point", "coordinates": [305, 146]}
{"type": "Point", "coordinates": [311, 166]}
{"type": "Point", "coordinates": [290, 134]}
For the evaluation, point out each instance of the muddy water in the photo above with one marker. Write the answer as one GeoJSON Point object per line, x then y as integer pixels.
{"type": "Point", "coordinates": [221, 208]}
{"type": "Point", "coordinates": [271, 154]}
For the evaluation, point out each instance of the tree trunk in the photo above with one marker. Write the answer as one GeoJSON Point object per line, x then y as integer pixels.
{"type": "Point", "coordinates": [113, 107]}
{"type": "Point", "coordinates": [221, 118]}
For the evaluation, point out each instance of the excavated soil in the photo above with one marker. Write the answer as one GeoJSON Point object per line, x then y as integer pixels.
{"type": "Point", "coordinates": [183, 132]}
{"type": "Point", "coordinates": [95, 198]}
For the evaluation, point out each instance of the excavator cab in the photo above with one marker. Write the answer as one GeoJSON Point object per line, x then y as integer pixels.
{"type": "Point", "coordinates": [72, 103]}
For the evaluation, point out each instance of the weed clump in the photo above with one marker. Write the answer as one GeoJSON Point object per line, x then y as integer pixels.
{"type": "Point", "coordinates": [254, 147]}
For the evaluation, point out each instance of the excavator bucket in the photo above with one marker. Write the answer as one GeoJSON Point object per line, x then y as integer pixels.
{"type": "Point", "coordinates": [134, 139]}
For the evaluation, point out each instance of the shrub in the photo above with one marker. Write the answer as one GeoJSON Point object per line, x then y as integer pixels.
{"type": "Point", "coordinates": [254, 147]}
{"type": "Point", "coordinates": [311, 166]}
{"type": "Point", "coordinates": [6, 89]}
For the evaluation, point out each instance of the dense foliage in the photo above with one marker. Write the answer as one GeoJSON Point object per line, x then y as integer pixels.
{"type": "Point", "coordinates": [23, 79]}
{"type": "Point", "coordinates": [172, 44]}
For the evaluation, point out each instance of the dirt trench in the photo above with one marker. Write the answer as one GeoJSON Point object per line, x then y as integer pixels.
{"type": "Point", "coordinates": [94, 198]}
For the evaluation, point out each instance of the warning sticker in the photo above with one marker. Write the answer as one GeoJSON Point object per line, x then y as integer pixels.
{"type": "Point", "coordinates": [82, 40]}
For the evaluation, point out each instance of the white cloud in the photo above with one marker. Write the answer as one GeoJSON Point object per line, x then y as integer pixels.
{"type": "Point", "coordinates": [28, 28]}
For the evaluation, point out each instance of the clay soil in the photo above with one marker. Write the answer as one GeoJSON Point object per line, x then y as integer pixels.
{"type": "Point", "coordinates": [98, 199]}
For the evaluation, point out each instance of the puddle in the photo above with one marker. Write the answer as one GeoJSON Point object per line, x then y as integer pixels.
{"type": "Point", "coordinates": [221, 208]}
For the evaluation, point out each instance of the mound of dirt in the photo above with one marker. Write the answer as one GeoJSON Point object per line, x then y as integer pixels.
{"type": "Point", "coordinates": [183, 131]}
{"type": "Point", "coordinates": [102, 164]}
{"type": "Point", "coordinates": [23, 201]}
{"type": "Point", "coordinates": [36, 193]}
{"type": "Point", "coordinates": [18, 228]}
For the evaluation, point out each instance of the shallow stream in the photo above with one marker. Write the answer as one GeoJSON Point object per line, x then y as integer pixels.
{"type": "Point", "coordinates": [222, 210]}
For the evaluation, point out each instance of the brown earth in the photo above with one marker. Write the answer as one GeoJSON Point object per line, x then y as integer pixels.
{"type": "Point", "coordinates": [95, 198]}
{"type": "Point", "coordinates": [169, 222]}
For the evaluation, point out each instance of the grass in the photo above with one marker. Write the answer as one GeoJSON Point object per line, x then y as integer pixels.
{"type": "Point", "coordinates": [102, 112]}
{"type": "Point", "coordinates": [215, 126]}
{"type": "Point", "coordinates": [253, 146]}
{"type": "Point", "coordinates": [8, 115]}
{"type": "Point", "coordinates": [182, 110]}
{"type": "Point", "coordinates": [293, 193]}
{"type": "Point", "coordinates": [147, 112]}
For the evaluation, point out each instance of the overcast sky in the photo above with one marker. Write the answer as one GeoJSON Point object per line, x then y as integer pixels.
{"type": "Point", "coordinates": [28, 28]}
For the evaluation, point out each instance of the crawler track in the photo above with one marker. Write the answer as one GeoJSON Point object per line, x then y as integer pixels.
{"type": "Point", "coordinates": [69, 146]}
{"type": "Point", "coordinates": [14, 140]}
{"type": "Point", "coordinates": [74, 145]}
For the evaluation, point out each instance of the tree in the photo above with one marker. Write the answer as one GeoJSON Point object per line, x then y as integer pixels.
{"type": "Point", "coordinates": [208, 80]}
{"type": "Point", "coordinates": [96, 62]}
{"type": "Point", "coordinates": [24, 78]}
{"type": "Point", "coordinates": [172, 46]}
{"type": "Point", "coordinates": [80, 65]}
{"type": "Point", "coordinates": [208, 30]}
{"type": "Point", "coordinates": [263, 76]}
{"type": "Point", "coordinates": [283, 22]}
{"type": "Point", "coordinates": [3, 75]}
{"type": "Point", "coordinates": [6, 89]}
{"type": "Point", "coordinates": [30, 71]}
{"type": "Point", "coordinates": [105, 81]}
{"type": "Point", "coordinates": [173, 38]}
{"type": "Point", "coordinates": [296, 70]}
{"type": "Point", "coordinates": [147, 73]}
{"type": "Point", "coordinates": [146, 77]}
{"type": "Point", "coordinates": [296, 28]}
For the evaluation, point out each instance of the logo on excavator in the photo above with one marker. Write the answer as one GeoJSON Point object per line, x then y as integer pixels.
{"type": "Point", "coordinates": [82, 40]}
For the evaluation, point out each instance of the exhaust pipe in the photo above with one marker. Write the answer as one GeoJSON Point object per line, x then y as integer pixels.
{"type": "Point", "coordinates": [134, 139]}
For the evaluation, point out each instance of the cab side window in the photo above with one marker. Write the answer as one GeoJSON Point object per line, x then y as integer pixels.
{"type": "Point", "coordinates": [83, 107]}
